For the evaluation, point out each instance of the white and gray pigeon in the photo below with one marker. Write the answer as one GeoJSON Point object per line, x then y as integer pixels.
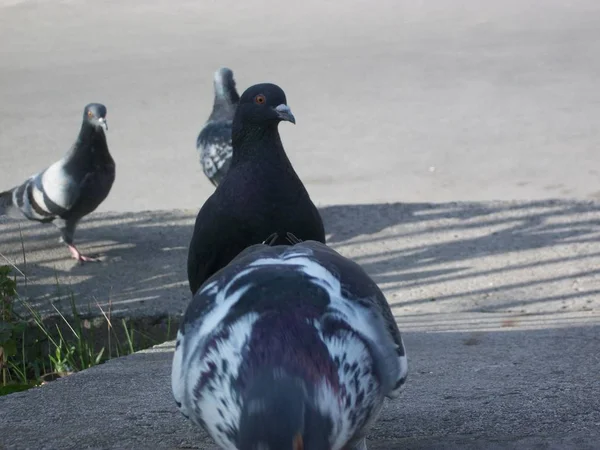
{"type": "Point", "coordinates": [70, 188]}
{"type": "Point", "coordinates": [261, 193]}
{"type": "Point", "coordinates": [288, 347]}
{"type": "Point", "coordinates": [214, 140]}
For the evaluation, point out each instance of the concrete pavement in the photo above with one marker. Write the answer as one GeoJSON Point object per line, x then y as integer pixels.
{"type": "Point", "coordinates": [521, 257]}
{"type": "Point", "coordinates": [498, 303]}
{"type": "Point", "coordinates": [502, 388]}
{"type": "Point", "coordinates": [422, 101]}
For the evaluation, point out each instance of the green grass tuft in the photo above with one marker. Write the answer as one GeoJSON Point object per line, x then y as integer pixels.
{"type": "Point", "coordinates": [32, 351]}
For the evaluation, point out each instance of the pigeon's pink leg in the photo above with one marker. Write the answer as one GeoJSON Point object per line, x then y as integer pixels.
{"type": "Point", "coordinates": [79, 257]}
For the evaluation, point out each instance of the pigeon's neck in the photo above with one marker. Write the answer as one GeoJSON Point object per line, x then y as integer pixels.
{"type": "Point", "coordinates": [90, 147]}
{"type": "Point", "coordinates": [257, 144]}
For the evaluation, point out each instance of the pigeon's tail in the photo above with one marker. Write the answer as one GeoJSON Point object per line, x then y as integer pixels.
{"type": "Point", "coordinates": [6, 202]}
{"type": "Point", "coordinates": [8, 207]}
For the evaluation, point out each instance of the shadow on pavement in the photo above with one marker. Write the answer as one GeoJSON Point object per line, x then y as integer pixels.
{"type": "Point", "coordinates": [478, 257]}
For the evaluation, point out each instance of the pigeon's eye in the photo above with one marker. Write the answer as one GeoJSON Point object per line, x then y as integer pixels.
{"type": "Point", "coordinates": [260, 99]}
{"type": "Point", "coordinates": [90, 114]}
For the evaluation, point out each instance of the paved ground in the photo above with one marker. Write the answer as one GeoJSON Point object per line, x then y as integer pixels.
{"type": "Point", "coordinates": [498, 388]}
{"type": "Point", "coordinates": [519, 257]}
{"type": "Point", "coordinates": [498, 302]}
{"type": "Point", "coordinates": [424, 101]}
{"type": "Point", "coordinates": [442, 106]}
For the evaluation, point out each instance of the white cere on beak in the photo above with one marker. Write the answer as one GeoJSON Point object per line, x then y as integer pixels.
{"type": "Point", "coordinates": [284, 112]}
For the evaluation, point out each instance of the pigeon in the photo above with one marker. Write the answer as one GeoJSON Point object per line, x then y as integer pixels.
{"type": "Point", "coordinates": [261, 193]}
{"type": "Point", "coordinates": [214, 140]}
{"type": "Point", "coordinates": [70, 188]}
{"type": "Point", "coordinates": [288, 347]}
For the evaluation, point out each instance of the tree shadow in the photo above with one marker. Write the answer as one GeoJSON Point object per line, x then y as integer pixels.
{"type": "Point", "coordinates": [143, 268]}
{"type": "Point", "coordinates": [499, 256]}
{"type": "Point", "coordinates": [523, 256]}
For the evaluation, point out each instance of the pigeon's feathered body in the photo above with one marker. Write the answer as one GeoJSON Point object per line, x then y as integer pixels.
{"type": "Point", "coordinates": [260, 195]}
{"type": "Point", "coordinates": [70, 188]}
{"type": "Point", "coordinates": [289, 346]}
{"type": "Point", "coordinates": [214, 140]}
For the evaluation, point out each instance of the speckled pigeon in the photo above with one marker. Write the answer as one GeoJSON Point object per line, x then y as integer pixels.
{"type": "Point", "coordinates": [214, 140]}
{"type": "Point", "coordinates": [261, 193]}
{"type": "Point", "coordinates": [288, 348]}
{"type": "Point", "coordinates": [70, 188]}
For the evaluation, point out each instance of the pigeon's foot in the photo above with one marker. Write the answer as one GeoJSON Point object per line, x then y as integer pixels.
{"type": "Point", "coordinates": [76, 254]}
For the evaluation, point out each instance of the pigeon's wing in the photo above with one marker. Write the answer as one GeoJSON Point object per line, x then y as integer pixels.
{"type": "Point", "coordinates": [214, 144]}
{"type": "Point", "coordinates": [210, 243]}
{"type": "Point", "coordinates": [47, 194]}
{"type": "Point", "coordinates": [60, 189]}
{"type": "Point", "coordinates": [363, 306]}
{"type": "Point", "coordinates": [93, 190]}
{"type": "Point", "coordinates": [203, 325]}
{"type": "Point", "coordinates": [189, 346]}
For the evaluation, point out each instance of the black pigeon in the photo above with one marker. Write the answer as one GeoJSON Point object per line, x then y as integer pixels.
{"type": "Point", "coordinates": [70, 188]}
{"type": "Point", "coordinates": [285, 348]}
{"type": "Point", "coordinates": [260, 195]}
{"type": "Point", "coordinates": [214, 140]}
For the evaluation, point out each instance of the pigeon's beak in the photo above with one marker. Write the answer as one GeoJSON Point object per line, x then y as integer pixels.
{"type": "Point", "coordinates": [103, 123]}
{"type": "Point", "coordinates": [285, 113]}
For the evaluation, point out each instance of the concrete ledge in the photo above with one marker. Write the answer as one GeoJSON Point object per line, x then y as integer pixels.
{"type": "Point", "coordinates": [472, 390]}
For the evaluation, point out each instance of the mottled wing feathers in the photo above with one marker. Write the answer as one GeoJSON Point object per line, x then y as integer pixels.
{"type": "Point", "coordinates": [370, 306]}
{"type": "Point", "coordinates": [354, 297]}
{"type": "Point", "coordinates": [203, 320]}
{"type": "Point", "coordinates": [304, 309]}
{"type": "Point", "coordinates": [214, 144]}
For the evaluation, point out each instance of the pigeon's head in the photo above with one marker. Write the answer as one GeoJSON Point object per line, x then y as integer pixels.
{"type": "Point", "coordinates": [277, 415]}
{"type": "Point", "coordinates": [95, 115]}
{"type": "Point", "coordinates": [225, 84]}
{"type": "Point", "coordinates": [264, 105]}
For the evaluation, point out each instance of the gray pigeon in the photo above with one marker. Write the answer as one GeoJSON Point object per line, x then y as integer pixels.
{"type": "Point", "coordinates": [288, 348]}
{"type": "Point", "coordinates": [214, 140]}
{"type": "Point", "coordinates": [70, 188]}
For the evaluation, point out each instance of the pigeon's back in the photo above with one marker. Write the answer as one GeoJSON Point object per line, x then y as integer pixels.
{"type": "Point", "coordinates": [354, 297]}
{"type": "Point", "coordinates": [363, 305]}
{"type": "Point", "coordinates": [302, 308]}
